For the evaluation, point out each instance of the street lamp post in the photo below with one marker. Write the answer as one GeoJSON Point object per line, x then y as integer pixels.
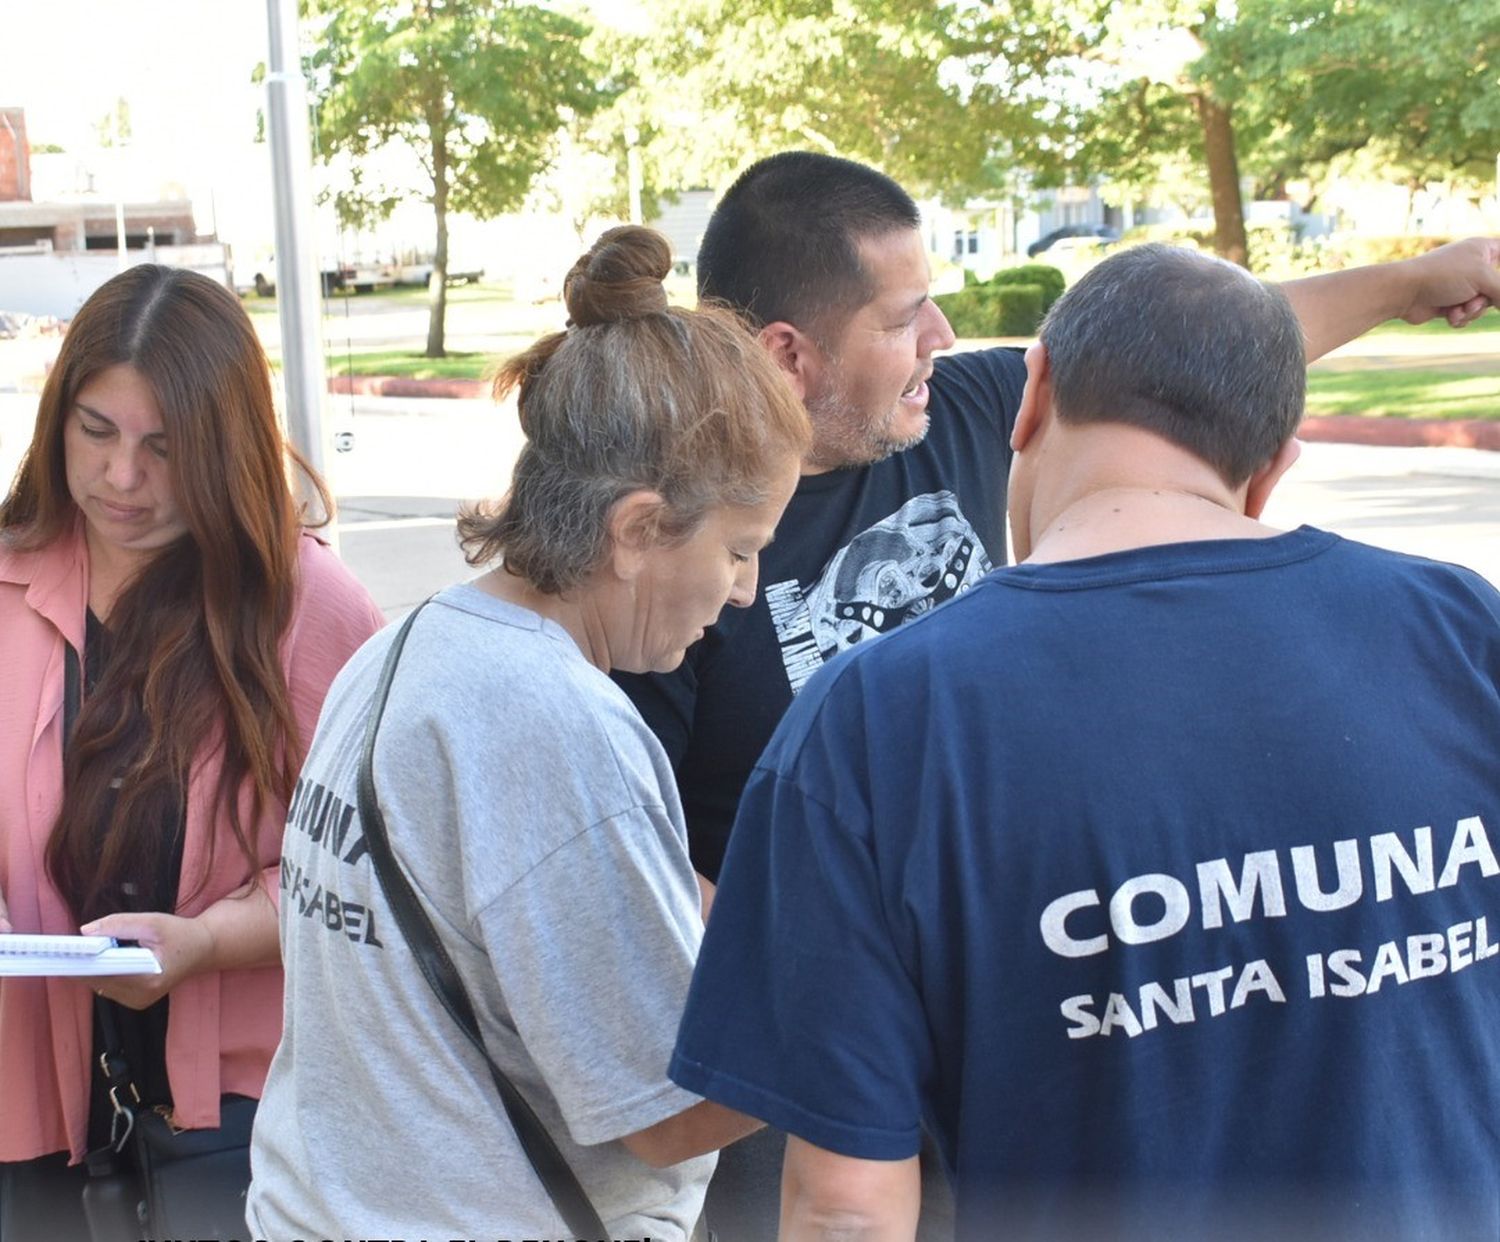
{"type": "Point", "coordinates": [297, 295]}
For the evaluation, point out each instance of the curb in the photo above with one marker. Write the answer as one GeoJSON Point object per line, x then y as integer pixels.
{"type": "Point", "coordinates": [405, 386]}
{"type": "Point", "coordinates": [1474, 433]}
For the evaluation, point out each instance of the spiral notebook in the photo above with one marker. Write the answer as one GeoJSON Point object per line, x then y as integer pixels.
{"type": "Point", "coordinates": [23, 955]}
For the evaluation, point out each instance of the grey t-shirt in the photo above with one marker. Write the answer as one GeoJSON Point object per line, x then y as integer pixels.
{"type": "Point", "coordinates": [537, 817]}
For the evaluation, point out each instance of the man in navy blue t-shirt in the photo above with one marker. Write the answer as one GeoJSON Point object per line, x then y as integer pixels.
{"type": "Point", "coordinates": [901, 504]}
{"type": "Point", "coordinates": [1156, 876]}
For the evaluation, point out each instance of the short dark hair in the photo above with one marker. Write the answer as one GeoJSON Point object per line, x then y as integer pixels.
{"type": "Point", "coordinates": [1184, 345]}
{"type": "Point", "coordinates": [783, 243]}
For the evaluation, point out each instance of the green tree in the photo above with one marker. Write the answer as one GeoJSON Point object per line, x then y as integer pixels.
{"type": "Point", "coordinates": [1168, 90]}
{"type": "Point", "coordinates": [957, 97]}
{"type": "Point", "coordinates": [1277, 89]}
{"type": "Point", "coordinates": [718, 83]}
{"type": "Point", "coordinates": [1410, 81]}
{"type": "Point", "coordinates": [475, 90]}
{"type": "Point", "coordinates": [1176, 99]}
{"type": "Point", "coordinates": [113, 128]}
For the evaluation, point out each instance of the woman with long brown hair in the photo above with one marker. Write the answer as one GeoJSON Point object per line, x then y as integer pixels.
{"type": "Point", "coordinates": [151, 555]}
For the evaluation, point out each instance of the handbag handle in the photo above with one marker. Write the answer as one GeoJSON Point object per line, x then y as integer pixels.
{"type": "Point", "coordinates": [443, 977]}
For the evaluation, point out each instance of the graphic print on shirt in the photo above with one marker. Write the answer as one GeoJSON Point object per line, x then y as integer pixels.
{"type": "Point", "coordinates": [906, 564]}
{"type": "Point", "coordinates": [1419, 865]}
{"type": "Point", "coordinates": [325, 820]}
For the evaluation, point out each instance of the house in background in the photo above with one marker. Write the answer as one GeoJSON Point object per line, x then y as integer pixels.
{"type": "Point", "coordinates": [682, 223]}
{"type": "Point", "coordinates": [60, 237]}
{"type": "Point", "coordinates": [986, 234]}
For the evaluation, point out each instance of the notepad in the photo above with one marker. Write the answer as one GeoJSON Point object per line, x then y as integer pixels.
{"type": "Point", "coordinates": [23, 955]}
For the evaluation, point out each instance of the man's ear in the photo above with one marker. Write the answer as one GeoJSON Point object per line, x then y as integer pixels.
{"type": "Point", "coordinates": [795, 353]}
{"type": "Point", "coordinates": [1036, 398]}
{"type": "Point", "coordinates": [634, 529]}
{"type": "Point", "coordinates": [1263, 481]}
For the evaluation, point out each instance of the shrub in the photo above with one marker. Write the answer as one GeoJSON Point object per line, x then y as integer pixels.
{"type": "Point", "coordinates": [1049, 279]}
{"type": "Point", "coordinates": [1011, 303]}
{"type": "Point", "coordinates": [1179, 233]}
{"type": "Point", "coordinates": [967, 311]}
{"type": "Point", "coordinates": [1357, 251]}
{"type": "Point", "coordinates": [994, 310]}
{"type": "Point", "coordinates": [1276, 253]}
{"type": "Point", "coordinates": [1018, 309]}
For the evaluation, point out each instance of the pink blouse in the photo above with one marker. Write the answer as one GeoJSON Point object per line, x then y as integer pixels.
{"type": "Point", "coordinates": [222, 1027]}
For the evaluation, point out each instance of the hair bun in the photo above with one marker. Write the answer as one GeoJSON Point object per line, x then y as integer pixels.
{"type": "Point", "coordinates": [619, 278]}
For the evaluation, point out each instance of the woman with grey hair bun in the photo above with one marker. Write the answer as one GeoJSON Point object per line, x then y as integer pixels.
{"type": "Point", "coordinates": [531, 808]}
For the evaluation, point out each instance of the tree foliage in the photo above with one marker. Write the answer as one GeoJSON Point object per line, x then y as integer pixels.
{"type": "Point", "coordinates": [718, 83]}
{"type": "Point", "coordinates": [1416, 80]}
{"type": "Point", "coordinates": [1171, 99]}
{"type": "Point", "coordinates": [113, 128]}
{"type": "Point", "coordinates": [475, 91]}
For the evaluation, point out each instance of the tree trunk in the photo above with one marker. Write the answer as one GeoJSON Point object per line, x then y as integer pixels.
{"type": "Point", "coordinates": [437, 283]}
{"type": "Point", "coordinates": [1223, 180]}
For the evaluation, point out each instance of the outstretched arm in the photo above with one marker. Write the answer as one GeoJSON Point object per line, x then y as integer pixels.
{"type": "Point", "coordinates": [826, 1197]}
{"type": "Point", "coordinates": [1458, 281]}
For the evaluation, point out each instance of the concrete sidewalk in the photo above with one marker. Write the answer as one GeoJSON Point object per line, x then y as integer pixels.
{"type": "Point", "coordinates": [1442, 503]}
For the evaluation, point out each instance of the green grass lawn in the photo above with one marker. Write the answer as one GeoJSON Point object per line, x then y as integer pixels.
{"type": "Point", "coordinates": [1375, 393]}
{"type": "Point", "coordinates": [1398, 393]}
{"type": "Point", "coordinates": [1403, 393]}
{"type": "Point", "coordinates": [1486, 323]}
{"type": "Point", "coordinates": [1414, 392]}
{"type": "Point", "coordinates": [412, 365]}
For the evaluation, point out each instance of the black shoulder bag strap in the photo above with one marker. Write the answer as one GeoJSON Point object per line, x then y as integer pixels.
{"type": "Point", "coordinates": [441, 975]}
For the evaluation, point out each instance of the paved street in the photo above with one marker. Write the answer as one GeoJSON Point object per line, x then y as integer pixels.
{"type": "Point", "coordinates": [414, 461]}
{"type": "Point", "coordinates": [1437, 502]}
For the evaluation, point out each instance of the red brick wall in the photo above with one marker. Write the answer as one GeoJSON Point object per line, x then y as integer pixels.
{"type": "Point", "coordinates": [15, 156]}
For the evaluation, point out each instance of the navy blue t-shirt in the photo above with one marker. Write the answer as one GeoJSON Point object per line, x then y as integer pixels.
{"type": "Point", "coordinates": [857, 553]}
{"type": "Point", "coordinates": [1162, 885]}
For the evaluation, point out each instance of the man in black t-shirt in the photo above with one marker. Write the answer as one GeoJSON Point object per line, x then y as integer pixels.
{"type": "Point", "coordinates": [901, 506]}
{"type": "Point", "coordinates": [902, 500]}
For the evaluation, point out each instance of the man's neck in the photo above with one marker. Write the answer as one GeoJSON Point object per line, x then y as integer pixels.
{"type": "Point", "coordinates": [1108, 487]}
{"type": "Point", "coordinates": [1118, 517]}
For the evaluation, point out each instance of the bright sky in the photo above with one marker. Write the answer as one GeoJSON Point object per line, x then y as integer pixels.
{"type": "Point", "coordinates": [184, 67]}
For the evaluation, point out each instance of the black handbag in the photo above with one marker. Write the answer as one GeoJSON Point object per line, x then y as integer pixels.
{"type": "Point", "coordinates": [169, 1183]}
{"type": "Point", "coordinates": [153, 1180]}
{"type": "Point", "coordinates": [442, 976]}
{"type": "Point", "coordinates": [194, 1182]}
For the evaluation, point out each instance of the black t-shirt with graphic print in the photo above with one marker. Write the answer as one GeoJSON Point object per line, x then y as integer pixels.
{"type": "Point", "coordinates": [858, 552]}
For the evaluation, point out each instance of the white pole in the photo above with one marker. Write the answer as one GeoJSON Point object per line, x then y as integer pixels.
{"type": "Point", "coordinates": [297, 304]}
{"type": "Point", "coordinates": [119, 222]}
